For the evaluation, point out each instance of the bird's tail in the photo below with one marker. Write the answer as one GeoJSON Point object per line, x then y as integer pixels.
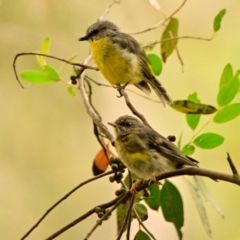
{"type": "Point", "coordinates": [160, 91]}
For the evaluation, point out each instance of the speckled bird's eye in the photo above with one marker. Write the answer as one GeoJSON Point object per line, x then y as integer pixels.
{"type": "Point", "coordinates": [128, 124]}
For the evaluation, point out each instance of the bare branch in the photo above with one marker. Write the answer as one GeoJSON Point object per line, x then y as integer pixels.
{"type": "Point", "coordinates": [62, 199]}
{"type": "Point", "coordinates": [232, 166]}
{"type": "Point", "coordinates": [89, 108]}
{"type": "Point", "coordinates": [132, 108]}
{"type": "Point", "coordinates": [161, 22]}
{"type": "Point", "coordinates": [87, 214]}
{"type": "Point", "coordinates": [194, 171]}
{"type": "Point", "coordinates": [48, 56]}
{"type": "Point", "coordinates": [175, 38]}
{"type": "Point", "coordinates": [144, 227]}
{"type": "Point", "coordinates": [107, 214]}
{"type": "Point", "coordinates": [108, 9]}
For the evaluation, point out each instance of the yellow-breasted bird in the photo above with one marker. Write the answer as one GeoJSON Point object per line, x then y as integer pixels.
{"type": "Point", "coordinates": [144, 151]}
{"type": "Point", "coordinates": [121, 59]}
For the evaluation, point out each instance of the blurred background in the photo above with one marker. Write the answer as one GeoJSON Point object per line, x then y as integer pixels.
{"type": "Point", "coordinates": [46, 137]}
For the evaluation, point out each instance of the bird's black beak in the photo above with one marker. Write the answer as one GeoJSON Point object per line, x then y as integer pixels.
{"type": "Point", "coordinates": [85, 38]}
{"type": "Point", "coordinates": [112, 124]}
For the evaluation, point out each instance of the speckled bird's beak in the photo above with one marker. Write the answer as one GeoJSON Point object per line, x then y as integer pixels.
{"type": "Point", "coordinates": [112, 124]}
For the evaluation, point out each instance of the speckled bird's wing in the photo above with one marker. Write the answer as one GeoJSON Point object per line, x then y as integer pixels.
{"type": "Point", "coordinates": [166, 148]}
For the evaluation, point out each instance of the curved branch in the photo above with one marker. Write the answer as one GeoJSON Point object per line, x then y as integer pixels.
{"type": "Point", "coordinates": [132, 108]}
{"type": "Point", "coordinates": [87, 214]}
{"type": "Point", "coordinates": [62, 199]}
{"type": "Point", "coordinates": [235, 178]}
{"type": "Point", "coordinates": [48, 56]}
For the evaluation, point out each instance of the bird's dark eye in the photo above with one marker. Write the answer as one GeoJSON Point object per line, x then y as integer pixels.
{"type": "Point", "coordinates": [128, 124]}
{"type": "Point", "coordinates": [95, 31]}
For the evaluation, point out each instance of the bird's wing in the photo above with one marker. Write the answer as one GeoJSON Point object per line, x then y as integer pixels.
{"type": "Point", "coordinates": [166, 148]}
{"type": "Point", "coordinates": [126, 41]}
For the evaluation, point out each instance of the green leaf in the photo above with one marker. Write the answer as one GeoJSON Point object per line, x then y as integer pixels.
{"type": "Point", "coordinates": [228, 91]}
{"type": "Point", "coordinates": [170, 31]}
{"type": "Point", "coordinates": [172, 206]}
{"type": "Point", "coordinates": [227, 113]}
{"type": "Point", "coordinates": [200, 208]}
{"type": "Point", "coordinates": [208, 140]}
{"type": "Point", "coordinates": [71, 91]}
{"type": "Point", "coordinates": [205, 193]}
{"type": "Point", "coordinates": [227, 75]}
{"type": "Point", "coordinates": [156, 63]}
{"type": "Point", "coordinates": [45, 47]}
{"type": "Point", "coordinates": [51, 73]}
{"type": "Point", "coordinates": [188, 149]}
{"type": "Point", "coordinates": [121, 215]}
{"type": "Point", "coordinates": [140, 235]}
{"type": "Point", "coordinates": [193, 120]}
{"type": "Point", "coordinates": [141, 211]}
{"type": "Point", "coordinates": [35, 77]}
{"type": "Point", "coordinates": [153, 201]}
{"type": "Point", "coordinates": [186, 106]}
{"type": "Point", "coordinates": [218, 19]}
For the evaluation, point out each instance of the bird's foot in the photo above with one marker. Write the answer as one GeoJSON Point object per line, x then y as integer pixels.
{"type": "Point", "coordinates": [134, 186]}
{"type": "Point", "coordinates": [154, 180]}
{"type": "Point", "coordinates": [120, 88]}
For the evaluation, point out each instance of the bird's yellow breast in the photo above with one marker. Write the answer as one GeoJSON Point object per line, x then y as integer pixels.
{"type": "Point", "coordinates": [117, 65]}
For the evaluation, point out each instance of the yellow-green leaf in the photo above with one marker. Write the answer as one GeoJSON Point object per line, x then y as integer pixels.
{"type": "Point", "coordinates": [218, 19]}
{"type": "Point", "coordinates": [36, 77]}
{"type": "Point", "coordinates": [171, 31]}
{"type": "Point", "coordinates": [227, 75]}
{"type": "Point", "coordinates": [186, 106]}
{"type": "Point", "coordinates": [45, 47]}
{"type": "Point", "coordinates": [71, 91]}
{"type": "Point", "coordinates": [51, 73]}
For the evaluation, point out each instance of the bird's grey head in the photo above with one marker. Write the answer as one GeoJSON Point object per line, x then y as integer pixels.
{"type": "Point", "coordinates": [126, 124]}
{"type": "Point", "coordinates": [99, 30]}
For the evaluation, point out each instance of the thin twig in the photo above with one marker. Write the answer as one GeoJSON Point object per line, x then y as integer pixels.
{"type": "Point", "coordinates": [129, 224]}
{"type": "Point", "coordinates": [175, 38]}
{"type": "Point", "coordinates": [232, 166]}
{"type": "Point", "coordinates": [129, 211]}
{"type": "Point", "coordinates": [107, 214]}
{"type": "Point", "coordinates": [194, 171]}
{"type": "Point", "coordinates": [48, 56]}
{"type": "Point", "coordinates": [62, 199]}
{"type": "Point", "coordinates": [108, 9]}
{"type": "Point", "coordinates": [84, 216]}
{"type": "Point", "coordinates": [177, 50]}
{"type": "Point", "coordinates": [141, 223]}
{"type": "Point", "coordinates": [126, 89]}
{"type": "Point", "coordinates": [130, 179]}
{"type": "Point", "coordinates": [161, 22]}
{"type": "Point", "coordinates": [132, 108]}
